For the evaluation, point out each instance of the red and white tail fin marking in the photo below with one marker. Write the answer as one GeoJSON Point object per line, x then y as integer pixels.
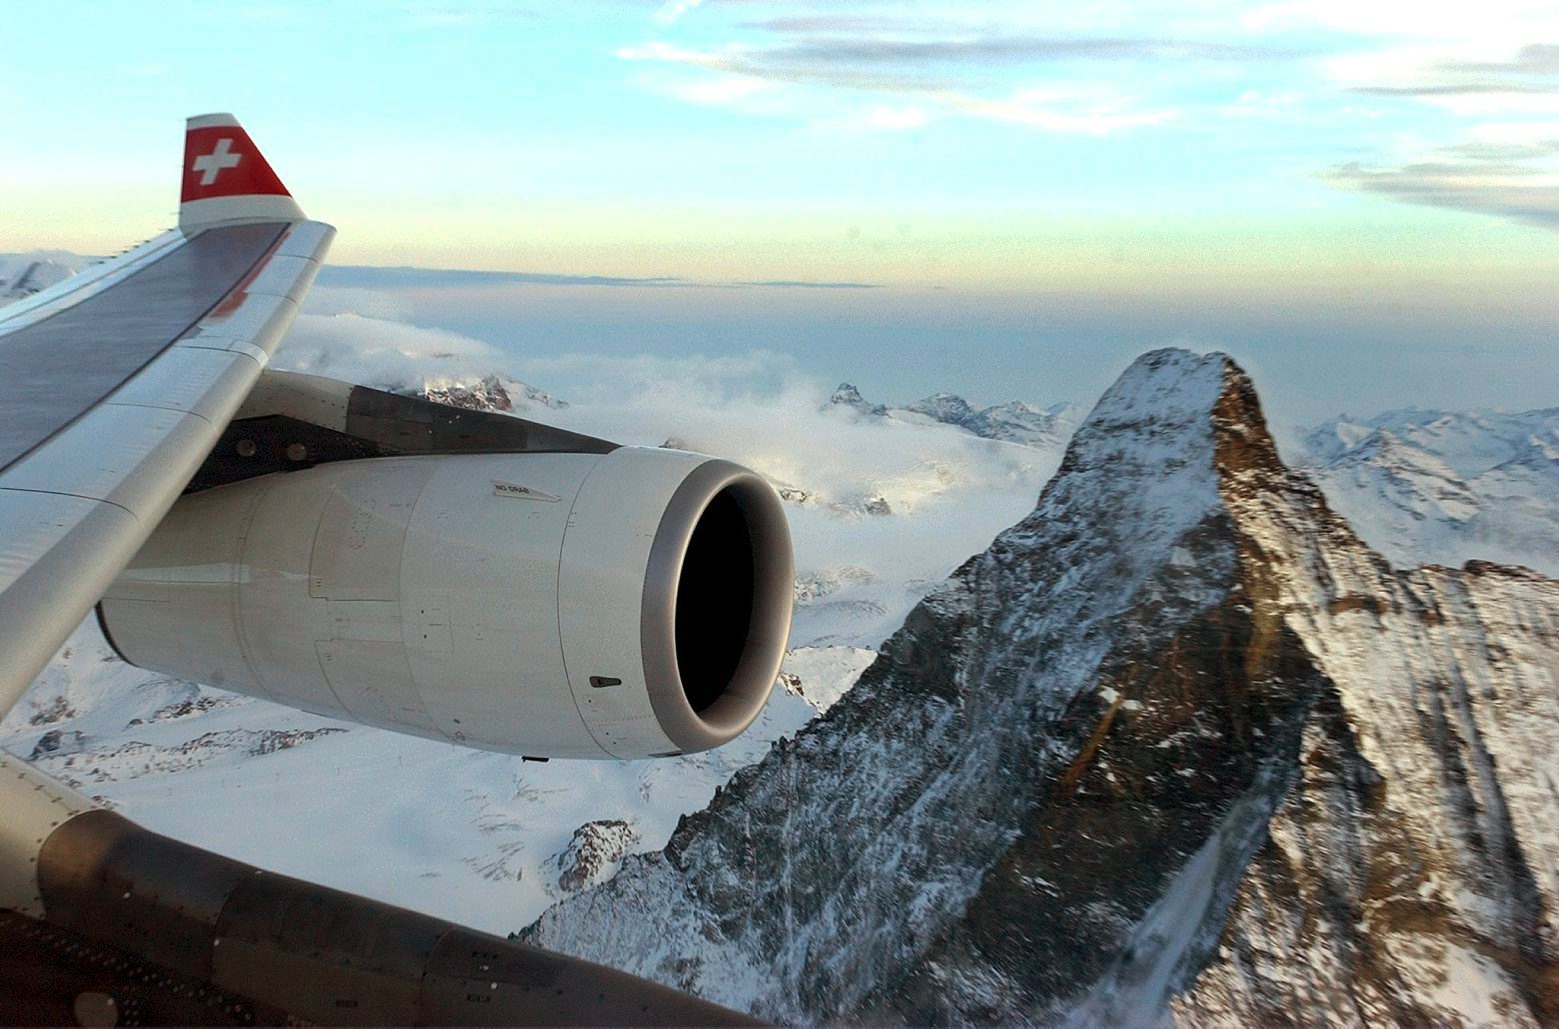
{"type": "Point", "coordinates": [227, 179]}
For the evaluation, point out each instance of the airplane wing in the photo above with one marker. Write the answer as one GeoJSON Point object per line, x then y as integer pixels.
{"type": "Point", "coordinates": [114, 388]}
{"type": "Point", "coordinates": [118, 381]}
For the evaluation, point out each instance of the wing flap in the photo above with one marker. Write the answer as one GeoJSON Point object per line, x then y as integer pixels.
{"type": "Point", "coordinates": [56, 549]}
{"type": "Point", "coordinates": [284, 276]}
{"type": "Point", "coordinates": [306, 239]}
{"type": "Point", "coordinates": [109, 453]}
{"type": "Point", "coordinates": [195, 380]}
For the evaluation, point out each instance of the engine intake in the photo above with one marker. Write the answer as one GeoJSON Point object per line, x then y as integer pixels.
{"type": "Point", "coordinates": [623, 605]}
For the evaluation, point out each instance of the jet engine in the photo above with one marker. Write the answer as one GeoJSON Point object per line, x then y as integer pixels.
{"type": "Point", "coordinates": [624, 604]}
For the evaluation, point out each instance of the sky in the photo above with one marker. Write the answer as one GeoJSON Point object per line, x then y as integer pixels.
{"type": "Point", "coordinates": [1011, 200]}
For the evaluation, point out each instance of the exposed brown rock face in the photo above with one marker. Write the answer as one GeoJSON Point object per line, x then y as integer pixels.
{"type": "Point", "coordinates": [594, 851]}
{"type": "Point", "coordinates": [487, 394]}
{"type": "Point", "coordinates": [1177, 744]}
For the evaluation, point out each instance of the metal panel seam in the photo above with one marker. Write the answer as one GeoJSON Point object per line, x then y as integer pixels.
{"type": "Point", "coordinates": [557, 609]}
{"type": "Point", "coordinates": [75, 496]}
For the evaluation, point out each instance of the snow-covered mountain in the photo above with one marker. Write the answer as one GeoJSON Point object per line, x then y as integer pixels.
{"type": "Point", "coordinates": [1446, 487]}
{"type": "Point", "coordinates": [847, 398]}
{"type": "Point", "coordinates": [22, 275]}
{"type": "Point", "coordinates": [1013, 422]}
{"type": "Point", "coordinates": [490, 392]}
{"type": "Point", "coordinates": [1178, 744]}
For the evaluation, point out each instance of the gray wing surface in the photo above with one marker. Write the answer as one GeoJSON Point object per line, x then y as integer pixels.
{"type": "Point", "coordinates": [114, 385]}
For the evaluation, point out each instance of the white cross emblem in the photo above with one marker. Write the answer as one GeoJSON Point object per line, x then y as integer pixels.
{"type": "Point", "coordinates": [211, 165]}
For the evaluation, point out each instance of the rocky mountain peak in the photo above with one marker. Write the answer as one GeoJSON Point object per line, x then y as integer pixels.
{"type": "Point", "coordinates": [485, 393]}
{"type": "Point", "coordinates": [848, 398]}
{"type": "Point", "coordinates": [22, 275]}
{"type": "Point", "coordinates": [1177, 741]}
{"type": "Point", "coordinates": [1013, 422]}
{"type": "Point", "coordinates": [944, 407]}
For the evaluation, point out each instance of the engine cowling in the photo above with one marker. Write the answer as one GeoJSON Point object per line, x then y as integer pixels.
{"type": "Point", "coordinates": [624, 605]}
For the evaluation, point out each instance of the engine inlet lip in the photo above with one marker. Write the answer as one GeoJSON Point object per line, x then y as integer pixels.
{"type": "Point", "coordinates": [768, 628]}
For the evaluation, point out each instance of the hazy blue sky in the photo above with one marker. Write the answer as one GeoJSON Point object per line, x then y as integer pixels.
{"type": "Point", "coordinates": [1359, 199]}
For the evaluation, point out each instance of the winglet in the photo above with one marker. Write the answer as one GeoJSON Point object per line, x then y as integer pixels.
{"type": "Point", "coordinates": [227, 179]}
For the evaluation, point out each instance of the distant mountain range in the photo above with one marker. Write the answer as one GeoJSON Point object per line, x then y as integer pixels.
{"type": "Point", "coordinates": [1446, 487]}
{"type": "Point", "coordinates": [1013, 422]}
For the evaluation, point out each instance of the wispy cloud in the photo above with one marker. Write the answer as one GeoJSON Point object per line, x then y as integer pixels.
{"type": "Point", "coordinates": [1490, 98]}
{"type": "Point", "coordinates": [674, 9]}
{"type": "Point", "coordinates": [1533, 59]}
{"type": "Point", "coordinates": [1515, 180]}
{"type": "Point", "coordinates": [1057, 111]}
{"type": "Point", "coordinates": [947, 75]}
{"type": "Point", "coordinates": [824, 53]}
{"type": "Point", "coordinates": [802, 284]}
{"type": "Point", "coordinates": [1531, 70]}
{"type": "Point", "coordinates": [1436, 89]}
{"type": "Point", "coordinates": [876, 62]}
{"type": "Point", "coordinates": [367, 277]}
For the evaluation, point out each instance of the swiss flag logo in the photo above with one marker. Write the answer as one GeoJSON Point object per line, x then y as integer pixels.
{"type": "Point", "coordinates": [222, 161]}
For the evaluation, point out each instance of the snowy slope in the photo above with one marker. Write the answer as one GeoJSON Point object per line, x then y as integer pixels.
{"type": "Point", "coordinates": [1446, 487]}
{"type": "Point", "coordinates": [465, 835]}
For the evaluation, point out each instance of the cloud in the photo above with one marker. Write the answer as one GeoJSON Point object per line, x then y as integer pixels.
{"type": "Point", "coordinates": [916, 65]}
{"type": "Point", "coordinates": [949, 491]}
{"type": "Point", "coordinates": [941, 65]}
{"type": "Point", "coordinates": [1441, 76]}
{"type": "Point", "coordinates": [803, 284]}
{"type": "Point", "coordinates": [755, 64]}
{"type": "Point", "coordinates": [688, 380]}
{"type": "Point", "coordinates": [1533, 59]}
{"type": "Point", "coordinates": [1455, 24]}
{"type": "Point", "coordinates": [1453, 89]}
{"type": "Point", "coordinates": [382, 352]}
{"type": "Point", "coordinates": [1504, 163]}
{"type": "Point", "coordinates": [674, 9]}
{"type": "Point", "coordinates": [824, 53]}
{"type": "Point", "coordinates": [368, 278]}
{"type": "Point", "coordinates": [327, 299]}
{"type": "Point", "coordinates": [1519, 182]}
{"type": "Point", "coordinates": [735, 91]}
{"type": "Point", "coordinates": [938, 75]}
{"type": "Point", "coordinates": [1061, 112]}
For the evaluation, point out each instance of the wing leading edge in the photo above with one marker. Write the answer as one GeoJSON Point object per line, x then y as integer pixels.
{"type": "Point", "coordinates": [120, 380]}
{"type": "Point", "coordinates": [118, 383]}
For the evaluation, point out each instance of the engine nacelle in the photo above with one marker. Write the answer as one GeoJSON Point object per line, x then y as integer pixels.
{"type": "Point", "coordinates": [623, 605]}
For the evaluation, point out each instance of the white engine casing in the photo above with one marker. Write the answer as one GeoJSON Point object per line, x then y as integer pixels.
{"type": "Point", "coordinates": [623, 605]}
